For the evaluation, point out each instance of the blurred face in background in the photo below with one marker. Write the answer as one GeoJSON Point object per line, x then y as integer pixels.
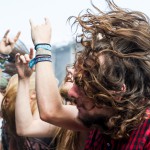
{"type": "Point", "coordinates": [66, 85]}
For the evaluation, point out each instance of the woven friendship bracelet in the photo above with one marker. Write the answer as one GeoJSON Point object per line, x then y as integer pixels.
{"type": "Point", "coordinates": [39, 59]}
{"type": "Point", "coordinates": [32, 63]}
{"type": "Point", "coordinates": [4, 56]}
{"type": "Point", "coordinates": [43, 46]}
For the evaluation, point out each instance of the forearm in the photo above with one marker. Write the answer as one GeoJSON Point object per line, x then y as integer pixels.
{"type": "Point", "coordinates": [28, 124]}
{"type": "Point", "coordinates": [23, 113]}
{"type": "Point", "coordinates": [49, 100]}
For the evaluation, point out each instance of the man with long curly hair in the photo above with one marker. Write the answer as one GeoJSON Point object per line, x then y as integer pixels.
{"type": "Point", "coordinates": [111, 86]}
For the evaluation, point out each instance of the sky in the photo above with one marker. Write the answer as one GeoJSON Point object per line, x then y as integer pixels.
{"type": "Point", "coordinates": [15, 15]}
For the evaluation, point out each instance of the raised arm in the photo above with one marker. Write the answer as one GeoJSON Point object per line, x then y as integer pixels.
{"type": "Point", "coordinates": [7, 44]}
{"type": "Point", "coordinates": [28, 124]}
{"type": "Point", "coordinates": [6, 47]}
{"type": "Point", "coordinates": [49, 100]}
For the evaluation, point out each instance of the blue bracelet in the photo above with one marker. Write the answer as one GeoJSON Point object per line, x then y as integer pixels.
{"type": "Point", "coordinates": [43, 46]}
{"type": "Point", "coordinates": [32, 63]}
{"type": "Point", "coordinates": [40, 59]}
{"type": "Point", "coordinates": [35, 60]}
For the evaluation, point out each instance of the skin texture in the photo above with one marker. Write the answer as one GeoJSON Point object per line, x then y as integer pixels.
{"type": "Point", "coordinates": [28, 124]}
{"type": "Point", "coordinates": [50, 103]}
{"type": "Point", "coordinates": [50, 106]}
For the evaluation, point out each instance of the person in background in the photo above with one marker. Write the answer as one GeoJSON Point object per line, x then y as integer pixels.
{"type": "Point", "coordinates": [8, 111]}
{"type": "Point", "coordinates": [29, 124]}
{"type": "Point", "coordinates": [6, 46]}
{"type": "Point", "coordinates": [10, 140]}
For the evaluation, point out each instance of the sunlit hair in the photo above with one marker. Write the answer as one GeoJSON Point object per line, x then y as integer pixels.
{"type": "Point", "coordinates": [116, 47]}
{"type": "Point", "coordinates": [8, 103]}
{"type": "Point", "coordinates": [66, 139]}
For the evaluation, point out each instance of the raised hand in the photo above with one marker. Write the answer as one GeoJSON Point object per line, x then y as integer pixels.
{"type": "Point", "coordinates": [41, 33]}
{"type": "Point", "coordinates": [7, 44]}
{"type": "Point", "coordinates": [22, 65]}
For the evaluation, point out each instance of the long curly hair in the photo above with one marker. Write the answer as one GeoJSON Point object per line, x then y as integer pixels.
{"type": "Point", "coordinates": [116, 52]}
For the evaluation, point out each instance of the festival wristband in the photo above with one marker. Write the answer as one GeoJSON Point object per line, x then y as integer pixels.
{"type": "Point", "coordinates": [43, 46]}
{"type": "Point", "coordinates": [39, 59]}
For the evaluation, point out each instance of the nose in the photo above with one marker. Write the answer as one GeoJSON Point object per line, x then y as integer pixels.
{"type": "Point", "coordinates": [73, 92]}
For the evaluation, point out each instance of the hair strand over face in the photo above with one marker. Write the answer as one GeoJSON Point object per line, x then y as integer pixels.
{"type": "Point", "coordinates": [116, 51]}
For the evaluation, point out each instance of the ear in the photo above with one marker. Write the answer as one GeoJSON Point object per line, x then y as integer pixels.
{"type": "Point", "coordinates": [123, 88]}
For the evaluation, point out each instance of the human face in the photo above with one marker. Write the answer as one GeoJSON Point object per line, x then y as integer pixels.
{"type": "Point", "coordinates": [89, 113]}
{"type": "Point", "coordinates": [64, 92]}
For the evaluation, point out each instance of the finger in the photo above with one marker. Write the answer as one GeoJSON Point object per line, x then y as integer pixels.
{"type": "Point", "coordinates": [17, 36]}
{"type": "Point", "coordinates": [6, 33]}
{"type": "Point", "coordinates": [17, 58]}
{"type": "Point", "coordinates": [47, 21]}
{"type": "Point", "coordinates": [33, 68]}
{"type": "Point", "coordinates": [10, 41]}
{"type": "Point", "coordinates": [31, 54]}
{"type": "Point", "coordinates": [22, 58]}
{"type": "Point", "coordinates": [27, 57]}
{"type": "Point", "coordinates": [31, 23]}
{"type": "Point", "coordinates": [7, 40]}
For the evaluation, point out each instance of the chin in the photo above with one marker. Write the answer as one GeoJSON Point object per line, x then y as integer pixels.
{"type": "Point", "coordinates": [93, 121]}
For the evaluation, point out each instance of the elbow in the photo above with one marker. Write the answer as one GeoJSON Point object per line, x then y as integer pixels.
{"type": "Point", "coordinates": [20, 132]}
{"type": "Point", "coordinates": [49, 113]}
{"type": "Point", "coordinates": [44, 115]}
{"type": "Point", "coordinates": [48, 116]}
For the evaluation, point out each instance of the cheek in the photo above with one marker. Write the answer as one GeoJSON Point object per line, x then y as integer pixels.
{"type": "Point", "coordinates": [67, 86]}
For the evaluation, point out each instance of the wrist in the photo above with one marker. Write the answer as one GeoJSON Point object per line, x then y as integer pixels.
{"type": "Point", "coordinates": [45, 46]}
{"type": "Point", "coordinates": [39, 42]}
{"type": "Point", "coordinates": [3, 58]}
{"type": "Point", "coordinates": [24, 79]}
{"type": "Point", "coordinates": [24, 82]}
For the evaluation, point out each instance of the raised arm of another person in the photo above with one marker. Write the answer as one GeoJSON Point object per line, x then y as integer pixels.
{"type": "Point", "coordinates": [6, 47]}
{"type": "Point", "coordinates": [50, 104]}
{"type": "Point", "coordinates": [28, 124]}
{"type": "Point", "coordinates": [7, 44]}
